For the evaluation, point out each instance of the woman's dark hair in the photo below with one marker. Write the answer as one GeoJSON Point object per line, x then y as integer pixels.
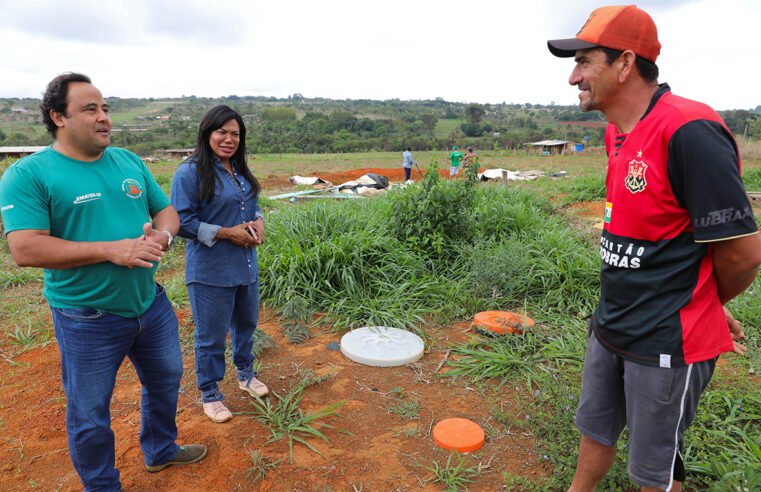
{"type": "Point", "coordinates": [203, 156]}
{"type": "Point", "coordinates": [647, 69]}
{"type": "Point", "coordinates": [55, 97]}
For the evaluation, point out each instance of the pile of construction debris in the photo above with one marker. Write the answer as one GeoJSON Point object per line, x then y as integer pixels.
{"type": "Point", "coordinates": [365, 186]}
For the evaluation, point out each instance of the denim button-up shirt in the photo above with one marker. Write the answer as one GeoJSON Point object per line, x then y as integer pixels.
{"type": "Point", "coordinates": [208, 261]}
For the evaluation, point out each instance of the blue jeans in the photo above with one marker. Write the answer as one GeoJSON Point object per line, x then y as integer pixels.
{"type": "Point", "coordinates": [93, 345]}
{"type": "Point", "coordinates": [215, 311]}
{"type": "Point", "coordinates": [407, 173]}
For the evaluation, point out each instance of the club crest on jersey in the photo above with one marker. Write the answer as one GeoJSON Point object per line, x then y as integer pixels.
{"type": "Point", "coordinates": [132, 188]}
{"type": "Point", "coordinates": [635, 181]}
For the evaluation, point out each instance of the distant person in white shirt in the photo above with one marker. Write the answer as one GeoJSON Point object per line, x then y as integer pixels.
{"type": "Point", "coordinates": [407, 164]}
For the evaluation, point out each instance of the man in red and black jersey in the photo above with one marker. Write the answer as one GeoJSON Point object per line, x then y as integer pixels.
{"type": "Point", "coordinates": [679, 242]}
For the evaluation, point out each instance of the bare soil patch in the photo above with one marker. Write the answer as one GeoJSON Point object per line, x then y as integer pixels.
{"type": "Point", "coordinates": [370, 447]}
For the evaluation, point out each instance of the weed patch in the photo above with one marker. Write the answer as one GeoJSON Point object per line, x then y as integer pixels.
{"type": "Point", "coordinates": [260, 465]}
{"type": "Point", "coordinates": [453, 475]}
{"type": "Point", "coordinates": [288, 420]}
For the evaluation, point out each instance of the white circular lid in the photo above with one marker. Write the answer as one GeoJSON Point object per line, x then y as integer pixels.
{"type": "Point", "coordinates": [382, 346]}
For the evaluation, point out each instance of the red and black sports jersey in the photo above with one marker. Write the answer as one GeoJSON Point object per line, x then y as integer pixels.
{"type": "Point", "coordinates": [673, 186]}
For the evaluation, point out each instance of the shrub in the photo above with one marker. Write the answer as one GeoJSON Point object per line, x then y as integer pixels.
{"type": "Point", "coordinates": [432, 217]}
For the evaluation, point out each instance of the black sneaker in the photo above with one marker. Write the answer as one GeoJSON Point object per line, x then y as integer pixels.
{"type": "Point", "coordinates": [187, 454]}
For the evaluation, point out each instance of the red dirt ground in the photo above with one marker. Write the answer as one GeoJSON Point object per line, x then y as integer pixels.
{"type": "Point", "coordinates": [589, 210]}
{"type": "Point", "coordinates": [370, 448]}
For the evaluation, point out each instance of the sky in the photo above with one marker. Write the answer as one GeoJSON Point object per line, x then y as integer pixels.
{"type": "Point", "coordinates": [482, 51]}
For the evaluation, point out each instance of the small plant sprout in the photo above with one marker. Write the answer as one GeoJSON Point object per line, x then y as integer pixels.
{"type": "Point", "coordinates": [453, 476]}
{"type": "Point", "coordinates": [260, 465]}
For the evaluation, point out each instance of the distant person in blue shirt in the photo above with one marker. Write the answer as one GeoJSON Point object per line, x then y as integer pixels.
{"type": "Point", "coordinates": [407, 164]}
{"type": "Point", "coordinates": [215, 195]}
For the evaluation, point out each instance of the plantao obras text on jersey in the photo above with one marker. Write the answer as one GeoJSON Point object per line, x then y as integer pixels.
{"type": "Point", "coordinates": [616, 254]}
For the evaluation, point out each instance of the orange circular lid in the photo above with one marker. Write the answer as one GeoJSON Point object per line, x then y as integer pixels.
{"type": "Point", "coordinates": [502, 322]}
{"type": "Point", "coordinates": [462, 435]}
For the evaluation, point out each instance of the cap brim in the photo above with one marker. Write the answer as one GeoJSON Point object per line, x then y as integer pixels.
{"type": "Point", "coordinates": [566, 48]}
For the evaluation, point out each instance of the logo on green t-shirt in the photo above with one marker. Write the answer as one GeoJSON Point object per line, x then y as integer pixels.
{"type": "Point", "coordinates": [132, 188]}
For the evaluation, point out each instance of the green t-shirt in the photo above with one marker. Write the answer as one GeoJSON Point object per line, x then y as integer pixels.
{"type": "Point", "coordinates": [104, 200]}
{"type": "Point", "coordinates": [456, 157]}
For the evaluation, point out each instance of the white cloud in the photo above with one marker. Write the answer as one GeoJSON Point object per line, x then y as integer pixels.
{"type": "Point", "coordinates": [482, 51]}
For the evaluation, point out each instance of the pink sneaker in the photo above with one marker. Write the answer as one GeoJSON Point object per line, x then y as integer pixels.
{"type": "Point", "coordinates": [254, 387]}
{"type": "Point", "coordinates": [217, 411]}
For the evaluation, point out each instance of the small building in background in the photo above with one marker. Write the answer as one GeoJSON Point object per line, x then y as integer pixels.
{"type": "Point", "coordinates": [553, 147]}
{"type": "Point", "coordinates": [180, 154]}
{"type": "Point", "coordinates": [18, 152]}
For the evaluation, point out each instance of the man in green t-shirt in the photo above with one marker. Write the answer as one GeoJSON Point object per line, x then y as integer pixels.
{"type": "Point", "coordinates": [96, 221]}
{"type": "Point", "coordinates": [456, 156]}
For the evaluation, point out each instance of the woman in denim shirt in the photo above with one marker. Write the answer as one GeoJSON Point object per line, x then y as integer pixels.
{"type": "Point", "coordinates": [215, 195]}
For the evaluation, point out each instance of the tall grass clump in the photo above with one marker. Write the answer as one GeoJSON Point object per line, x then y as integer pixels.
{"type": "Point", "coordinates": [583, 189]}
{"type": "Point", "coordinates": [526, 255]}
{"type": "Point", "coordinates": [724, 442]}
{"type": "Point", "coordinates": [343, 260]}
{"type": "Point", "coordinates": [501, 359]}
{"type": "Point", "coordinates": [501, 212]}
{"type": "Point", "coordinates": [437, 250]}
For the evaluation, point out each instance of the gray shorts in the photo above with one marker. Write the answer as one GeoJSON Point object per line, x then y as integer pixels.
{"type": "Point", "coordinates": [656, 404]}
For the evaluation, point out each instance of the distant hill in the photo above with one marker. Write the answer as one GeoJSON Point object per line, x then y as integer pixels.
{"type": "Point", "coordinates": [299, 124]}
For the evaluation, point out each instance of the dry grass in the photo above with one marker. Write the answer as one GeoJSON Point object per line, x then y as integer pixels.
{"type": "Point", "coordinates": [750, 149]}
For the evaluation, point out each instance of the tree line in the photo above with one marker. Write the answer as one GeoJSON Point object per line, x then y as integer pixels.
{"type": "Point", "coordinates": [301, 125]}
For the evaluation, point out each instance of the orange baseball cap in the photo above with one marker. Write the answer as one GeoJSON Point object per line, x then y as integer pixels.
{"type": "Point", "coordinates": [620, 27]}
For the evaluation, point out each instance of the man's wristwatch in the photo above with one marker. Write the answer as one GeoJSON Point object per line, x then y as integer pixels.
{"type": "Point", "coordinates": [170, 238]}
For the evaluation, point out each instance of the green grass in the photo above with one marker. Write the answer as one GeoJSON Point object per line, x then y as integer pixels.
{"type": "Point", "coordinates": [406, 409]}
{"type": "Point", "coordinates": [262, 342]}
{"type": "Point", "coordinates": [177, 292]}
{"type": "Point", "coordinates": [723, 442]}
{"type": "Point", "coordinates": [587, 188]}
{"type": "Point", "coordinates": [153, 108]}
{"type": "Point", "coordinates": [288, 420]}
{"type": "Point", "coordinates": [504, 358]}
{"type": "Point", "coordinates": [445, 127]}
{"type": "Point", "coordinates": [28, 336]}
{"type": "Point", "coordinates": [15, 277]}
{"type": "Point", "coordinates": [349, 261]}
{"type": "Point", "coordinates": [453, 475]}
{"type": "Point", "coordinates": [23, 336]}
{"type": "Point", "coordinates": [260, 465]}
{"type": "Point", "coordinates": [752, 179]}
{"type": "Point", "coordinates": [342, 260]}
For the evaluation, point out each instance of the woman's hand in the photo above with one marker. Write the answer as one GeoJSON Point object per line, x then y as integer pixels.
{"type": "Point", "coordinates": [257, 230]}
{"type": "Point", "coordinates": [238, 235]}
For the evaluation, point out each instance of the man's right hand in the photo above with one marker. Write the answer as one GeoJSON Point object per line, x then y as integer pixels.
{"type": "Point", "coordinates": [736, 330]}
{"type": "Point", "coordinates": [137, 252]}
{"type": "Point", "coordinates": [37, 248]}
